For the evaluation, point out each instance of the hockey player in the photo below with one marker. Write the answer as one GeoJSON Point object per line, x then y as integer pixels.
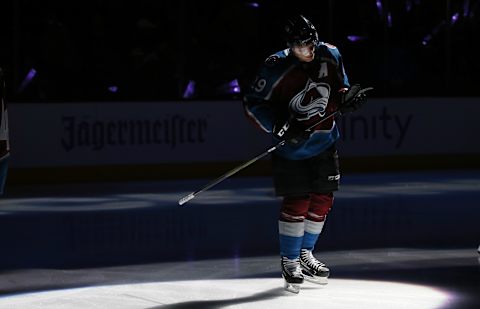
{"type": "Point", "coordinates": [4, 141]}
{"type": "Point", "coordinates": [294, 89]}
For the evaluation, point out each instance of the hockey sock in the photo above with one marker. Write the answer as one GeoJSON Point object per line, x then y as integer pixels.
{"type": "Point", "coordinates": [291, 225]}
{"type": "Point", "coordinates": [320, 205]}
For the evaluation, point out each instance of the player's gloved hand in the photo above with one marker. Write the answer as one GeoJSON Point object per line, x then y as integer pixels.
{"type": "Point", "coordinates": [292, 131]}
{"type": "Point", "coordinates": [353, 99]}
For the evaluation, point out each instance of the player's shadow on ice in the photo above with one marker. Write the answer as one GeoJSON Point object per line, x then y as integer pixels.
{"type": "Point", "coordinates": [212, 304]}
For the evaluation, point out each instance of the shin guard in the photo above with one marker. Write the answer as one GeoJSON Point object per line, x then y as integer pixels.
{"type": "Point", "coordinates": [320, 205]}
{"type": "Point", "coordinates": [291, 225]}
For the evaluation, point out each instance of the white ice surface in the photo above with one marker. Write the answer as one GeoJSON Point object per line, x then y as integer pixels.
{"type": "Point", "coordinates": [237, 293]}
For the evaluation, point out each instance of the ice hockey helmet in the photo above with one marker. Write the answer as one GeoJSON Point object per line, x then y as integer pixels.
{"type": "Point", "coordinates": [299, 30]}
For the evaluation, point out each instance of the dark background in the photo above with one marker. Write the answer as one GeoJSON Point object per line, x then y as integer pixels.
{"type": "Point", "coordinates": [150, 50]}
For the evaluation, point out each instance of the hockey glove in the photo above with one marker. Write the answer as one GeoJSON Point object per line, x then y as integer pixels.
{"type": "Point", "coordinates": [353, 99]}
{"type": "Point", "coordinates": [291, 131]}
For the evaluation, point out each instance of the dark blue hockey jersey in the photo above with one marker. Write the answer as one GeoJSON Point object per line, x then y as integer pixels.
{"type": "Point", "coordinates": [285, 87]}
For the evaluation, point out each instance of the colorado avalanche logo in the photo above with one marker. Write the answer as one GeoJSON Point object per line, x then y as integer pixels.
{"type": "Point", "coordinates": [311, 101]}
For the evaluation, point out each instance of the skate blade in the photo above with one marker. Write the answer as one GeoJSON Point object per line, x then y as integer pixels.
{"type": "Point", "coordinates": [292, 287]}
{"type": "Point", "coordinates": [317, 280]}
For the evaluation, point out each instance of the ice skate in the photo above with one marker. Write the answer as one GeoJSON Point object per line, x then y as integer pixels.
{"type": "Point", "coordinates": [292, 274]}
{"type": "Point", "coordinates": [313, 270]}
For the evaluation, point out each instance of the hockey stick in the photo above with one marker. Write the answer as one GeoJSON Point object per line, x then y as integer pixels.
{"type": "Point", "coordinates": [192, 195]}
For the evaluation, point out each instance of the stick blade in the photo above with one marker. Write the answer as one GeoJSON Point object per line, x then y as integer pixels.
{"type": "Point", "coordinates": [185, 199]}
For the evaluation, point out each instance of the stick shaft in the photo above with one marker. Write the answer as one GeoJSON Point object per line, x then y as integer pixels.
{"type": "Point", "coordinates": [229, 173]}
{"type": "Point", "coordinates": [324, 119]}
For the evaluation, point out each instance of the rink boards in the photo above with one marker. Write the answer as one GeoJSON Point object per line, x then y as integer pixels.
{"type": "Point", "coordinates": [94, 141]}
